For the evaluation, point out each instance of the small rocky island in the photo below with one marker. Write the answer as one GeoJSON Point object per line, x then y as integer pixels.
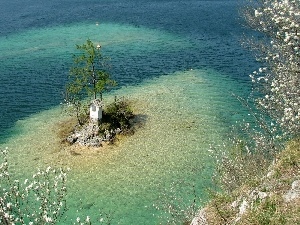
{"type": "Point", "coordinates": [103, 125]}
{"type": "Point", "coordinates": [88, 79]}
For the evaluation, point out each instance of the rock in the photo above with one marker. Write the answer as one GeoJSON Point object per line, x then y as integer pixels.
{"type": "Point", "coordinates": [296, 185]}
{"type": "Point", "coordinates": [243, 208]}
{"type": "Point", "coordinates": [118, 131]}
{"type": "Point", "coordinates": [262, 195]}
{"type": "Point", "coordinates": [88, 135]}
{"type": "Point", "coordinates": [293, 193]}
{"type": "Point", "coordinates": [234, 204]}
{"type": "Point", "coordinates": [72, 139]}
{"type": "Point", "coordinates": [270, 173]}
{"type": "Point", "coordinates": [290, 196]}
{"type": "Point", "coordinates": [96, 142]}
{"type": "Point", "coordinates": [200, 219]}
{"type": "Point", "coordinates": [237, 219]}
{"type": "Point", "coordinates": [258, 195]}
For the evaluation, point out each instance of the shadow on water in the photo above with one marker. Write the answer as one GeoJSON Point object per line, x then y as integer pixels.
{"type": "Point", "coordinates": [139, 121]}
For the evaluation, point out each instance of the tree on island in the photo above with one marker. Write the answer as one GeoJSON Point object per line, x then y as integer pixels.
{"type": "Point", "coordinates": [88, 78]}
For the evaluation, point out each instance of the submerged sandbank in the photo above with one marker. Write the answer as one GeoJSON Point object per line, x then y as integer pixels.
{"type": "Point", "coordinates": [183, 114]}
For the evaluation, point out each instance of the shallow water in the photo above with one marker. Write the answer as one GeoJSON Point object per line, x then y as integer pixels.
{"type": "Point", "coordinates": [176, 60]}
{"type": "Point", "coordinates": [144, 40]}
{"type": "Point", "coordinates": [181, 114]}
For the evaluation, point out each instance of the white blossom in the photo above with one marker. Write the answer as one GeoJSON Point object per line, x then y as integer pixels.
{"type": "Point", "coordinates": [280, 54]}
{"type": "Point", "coordinates": [37, 193]}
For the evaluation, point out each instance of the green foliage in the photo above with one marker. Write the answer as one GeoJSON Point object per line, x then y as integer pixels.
{"type": "Point", "coordinates": [219, 203]}
{"type": "Point", "coordinates": [88, 77]}
{"type": "Point", "coordinates": [118, 115]}
{"type": "Point", "coordinates": [89, 74]}
{"type": "Point", "coordinates": [272, 209]}
{"type": "Point", "coordinates": [266, 212]}
{"type": "Point", "coordinates": [79, 108]}
{"type": "Point", "coordinates": [291, 160]}
{"type": "Point", "coordinates": [236, 167]}
{"type": "Point", "coordinates": [65, 128]}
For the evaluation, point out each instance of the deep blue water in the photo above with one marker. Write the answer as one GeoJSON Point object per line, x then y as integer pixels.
{"type": "Point", "coordinates": [31, 82]}
{"type": "Point", "coordinates": [145, 39]}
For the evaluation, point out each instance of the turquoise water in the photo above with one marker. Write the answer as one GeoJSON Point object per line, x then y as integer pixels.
{"type": "Point", "coordinates": [176, 60]}
{"type": "Point", "coordinates": [182, 118]}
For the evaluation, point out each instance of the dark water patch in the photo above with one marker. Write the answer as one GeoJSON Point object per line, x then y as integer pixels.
{"type": "Point", "coordinates": [186, 110]}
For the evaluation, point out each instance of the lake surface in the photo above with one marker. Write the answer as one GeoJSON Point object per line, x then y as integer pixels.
{"type": "Point", "coordinates": [178, 61]}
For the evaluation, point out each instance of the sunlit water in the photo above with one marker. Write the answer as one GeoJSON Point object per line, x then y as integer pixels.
{"type": "Point", "coordinates": [179, 74]}
{"type": "Point", "coordinates": [182, 116]}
